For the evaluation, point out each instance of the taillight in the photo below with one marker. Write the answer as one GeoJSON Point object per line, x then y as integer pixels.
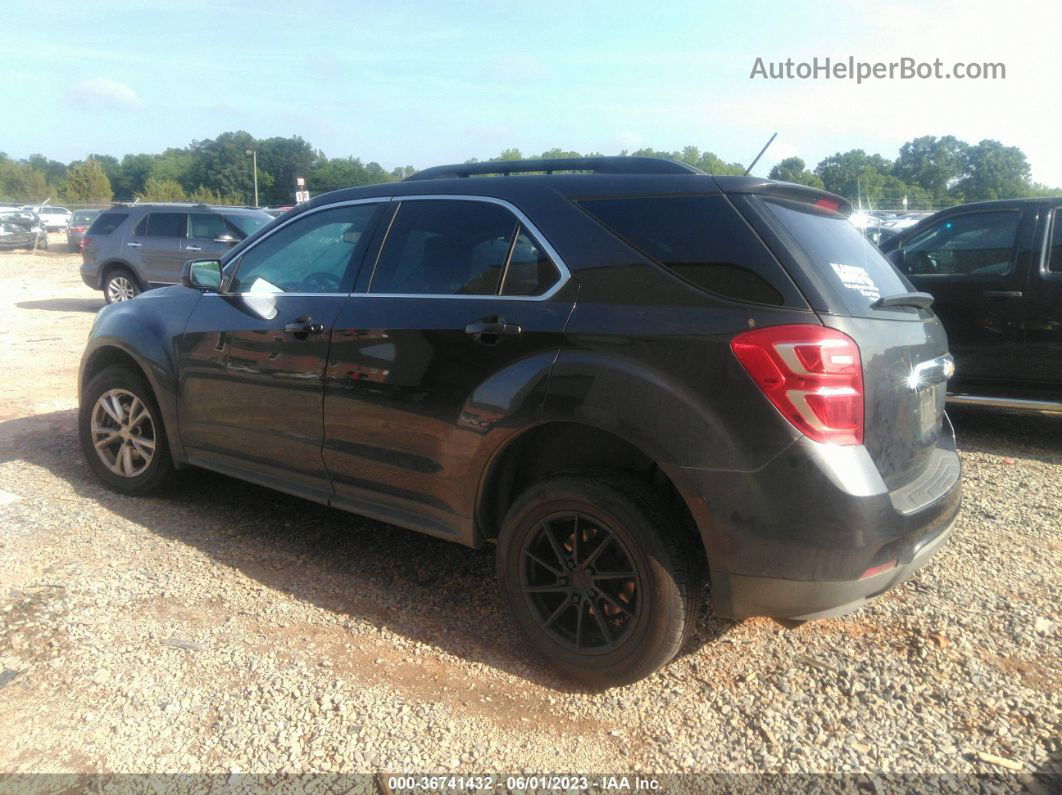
{"type": "Point", "coordinates": [78, 230]}
{"type": "Point", "coordinates": [812, 374]}
{"type": "Point", "coordinates": [84, 242]}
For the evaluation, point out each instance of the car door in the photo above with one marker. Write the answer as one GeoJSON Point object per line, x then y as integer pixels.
{"type": "Point", "coordinates": [252, 358]}
{"type": "Point", "coordinates": [154, 248]}
{"type": "Point", "coordinates": [1043, 325]}
{"type": "Point", "coordinates": [445, 347]}
{"type": "Point", "coordinates": [974, 264]}
{"type": "Point", "coordinates": [208, 236]}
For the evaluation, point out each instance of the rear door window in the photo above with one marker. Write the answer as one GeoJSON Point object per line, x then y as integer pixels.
{"type": "Point", "coordinates": [107, 223]}
{"type": "Point", "coordinates": [703, 240]}
{"type": "Point", "coordinates": [166, 225]}
{"type": "Point", "coordinates": [976, 244]}
{"type": "Point", "coordinates": [443, 247]}
{"type": "Point", "coordinates": [840, 254]}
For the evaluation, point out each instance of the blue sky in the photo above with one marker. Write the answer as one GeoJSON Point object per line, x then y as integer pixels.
{"type": "Point", "coordinates": [422, 83]}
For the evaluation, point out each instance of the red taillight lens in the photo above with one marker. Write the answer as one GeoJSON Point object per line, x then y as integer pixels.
{"type": "Point", "coordinates": [84, 242]}
{"type": "Point", "coordinates": [812, 375]}
{"type": "Point", "coordinates": [78, 230]}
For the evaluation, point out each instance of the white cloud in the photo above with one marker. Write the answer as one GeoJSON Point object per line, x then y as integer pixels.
{"type": "Point", "coordinates": [102, 93]}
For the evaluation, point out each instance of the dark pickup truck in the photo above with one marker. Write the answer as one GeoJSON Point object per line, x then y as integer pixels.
{"type": "Point", "coordinates": [995, 271]}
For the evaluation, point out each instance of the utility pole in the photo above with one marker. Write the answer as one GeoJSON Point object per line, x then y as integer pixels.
{"type": "Point", "coordinates": [254, 170]}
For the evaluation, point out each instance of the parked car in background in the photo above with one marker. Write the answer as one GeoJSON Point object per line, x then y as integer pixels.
{"type": "Point", "coordinates": [54, 218]}
{"type": "Point", "coordinates": [30, 222]}
{"type": "Point", "coordinates": [79, 224]}
{"type": "Point", "coordinates": [276, 212]}
{"type": "Point", "coordinates": [14, 236]}
{"type": "Point", "coordinates": [129, 249]}
{"type": "Point", "coordinates": [995, 272]}
{"type": "Point", "coordinates": [629, 378]}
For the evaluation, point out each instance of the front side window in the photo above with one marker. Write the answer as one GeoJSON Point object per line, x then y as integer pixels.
{"type": "Point", "coordinates": [314, 254]}
{"type": "Point", "coordinates": [164, 225]}
{"type": "Point", "coordinates": [972, 244]}
{"type": "Point", "coordinates": [207, 226]}
{"type": "Point", "coordinates": [460, 247]}
{"type": "Point", "coordinates": [247, 224]}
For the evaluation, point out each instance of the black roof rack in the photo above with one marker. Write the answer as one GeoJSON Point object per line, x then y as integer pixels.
{"type": "Point", "coordinates": [596, 165]}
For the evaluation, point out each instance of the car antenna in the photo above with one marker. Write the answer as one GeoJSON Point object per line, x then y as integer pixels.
{"type": "Point", "coordinates": [757, 160]}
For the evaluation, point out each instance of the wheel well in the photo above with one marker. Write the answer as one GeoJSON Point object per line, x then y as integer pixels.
{"type": "Point", "coordinates": [567, 447]}
{"type": "Point", "coordinates": [114, 265]}
{"type": "Point", "coordinates": [106, 357]}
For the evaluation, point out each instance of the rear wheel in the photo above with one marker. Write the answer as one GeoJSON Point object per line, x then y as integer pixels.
{"type": "Point", "coordinates": [600, 576]}
{"type": "Point", "coordinates": [121, 433]}
{"type": "Point", "coordinates": [120, 285]}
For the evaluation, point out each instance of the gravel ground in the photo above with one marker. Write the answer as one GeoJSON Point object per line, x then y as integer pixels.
{"type": "Point", "coordinates": [227, 627]}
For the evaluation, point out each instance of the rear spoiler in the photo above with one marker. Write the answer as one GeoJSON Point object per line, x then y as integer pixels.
{"type": "Point", "coordinates": [785, 190]}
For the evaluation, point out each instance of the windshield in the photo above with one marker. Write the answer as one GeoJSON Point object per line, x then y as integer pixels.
{"type": "Point", "coordinates": [841, 254]}
{"type": "Point", "coordinates": [248, 224]}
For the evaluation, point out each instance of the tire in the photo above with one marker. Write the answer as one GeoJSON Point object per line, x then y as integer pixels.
{"type": "Point", "coordinates": [120, 285]}
{"type": "Point", "coordinates": [631, 626]}
{"type": "Point", "coordinates": [148, 467]}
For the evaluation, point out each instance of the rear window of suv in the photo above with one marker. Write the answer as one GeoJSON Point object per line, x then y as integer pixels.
{"type": "Point", "coordinates": [840, 254]}
{"type": "Point", "coordinates": [701, 239]}
{"type": "Point", "coordinates": [107, 223]}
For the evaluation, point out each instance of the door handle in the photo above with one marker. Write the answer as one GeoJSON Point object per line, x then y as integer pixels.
{"type": "Point", "coordinates": [488, 328]}
{"type": "Point", "coordinates": [193, 248]}
{"type": "Point", "coordinates": [134, 244]}
{"type": "Point", "coordinates": [1002, 293]}
{"type": "Point", "coordinates": [302, 327]}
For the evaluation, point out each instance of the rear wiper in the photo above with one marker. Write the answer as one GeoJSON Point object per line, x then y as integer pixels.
{"type": "Point", "coordinates": [918, 300]}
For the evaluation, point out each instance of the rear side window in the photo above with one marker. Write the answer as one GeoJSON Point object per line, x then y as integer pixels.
{"type": "Point", "coordinates": [443, 247]}
{"type": "Point", "coordinates": [840, 254]}
{"type": "Point", "coordinates": [972, 244]}
{"type": "Point", "coordinates": [700, 238]}
{"type": "Point", "coordinates": [107, 223]}
{"type": "Point", "coordinates": [1054, 254]}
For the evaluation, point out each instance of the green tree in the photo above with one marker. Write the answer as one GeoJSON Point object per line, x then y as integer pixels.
{"type": "Point", "coordinates": [280, 161]}
{"type": "Point", "coordinates": [792, 169]}
{"type": "Point", "coordinates": [334, 173]}
{"type": "Point", "coordinates": [994, 171]}
{"type": "Point", "coordinates": [87, 182]}
{"type": "Point", "coordinates": [132, 174]}
{"type": "Point", "coordinates": [175, 165]}
{"type": "Point", "coordinates": [853, 174]}
{"type": "Point", "coordinates": [21, 182]}
{"type": "Point", "coordinates": [54, 171]}
{"type": "Point", "coordinates": [162, 190]}
{"type": "Point", "coordinates": [932, 164]}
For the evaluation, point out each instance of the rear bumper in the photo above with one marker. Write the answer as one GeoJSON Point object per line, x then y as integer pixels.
{"type": "Point", "coordinates": [90, 276]}
{"type": "Point", "coordinates": [737, 596]}
{"type": "Point", "coordinates": [795, 538]}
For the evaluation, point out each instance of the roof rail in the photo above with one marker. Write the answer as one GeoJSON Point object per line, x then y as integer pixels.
{"type": "Point", "coordinates": [598, 165]}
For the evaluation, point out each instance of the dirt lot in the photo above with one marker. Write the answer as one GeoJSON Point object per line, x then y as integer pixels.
{"type": "Point", "coordinates": [227, 627]}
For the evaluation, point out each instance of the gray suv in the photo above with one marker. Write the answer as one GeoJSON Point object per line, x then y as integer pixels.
{"type": "Point", "coordinates": [129, 249]}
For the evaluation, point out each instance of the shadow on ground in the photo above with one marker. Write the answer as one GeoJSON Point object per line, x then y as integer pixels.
{"type": "Point", "coordinates": [64, 304]}
{"type": "Point", "coordinates": [426, 589]}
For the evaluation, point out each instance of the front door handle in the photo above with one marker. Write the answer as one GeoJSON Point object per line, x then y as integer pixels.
{"type": "Point", "coordinates": [1002, 293]}
{"type": "Point", "coordinates": [193, 248]}
{"type": "Point", "coordinates": [303, 327]}
{"type": "Point", "coordinates": [134, 244]}
{"type": "Point", "coordinates": [489, 329]}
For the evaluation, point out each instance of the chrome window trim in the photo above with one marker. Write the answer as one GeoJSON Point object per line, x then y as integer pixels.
{"type": "Point", "coordinates": [562, 268]}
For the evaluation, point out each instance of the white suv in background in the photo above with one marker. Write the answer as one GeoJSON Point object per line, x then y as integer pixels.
{"type": "Point", "coordinates": [53, 218]}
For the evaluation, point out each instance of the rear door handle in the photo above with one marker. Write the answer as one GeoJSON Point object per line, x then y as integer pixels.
{"type": "Point", "coordinates": [1002, 293]}
{"type": "Point", "coordinates": [302, 327]}
{"type": "Point", "coordinates": [193, 248]}
{"type": "Point", "coordinates": [490, 327]}
{"type": "Point", "coordinates": [134, 244]}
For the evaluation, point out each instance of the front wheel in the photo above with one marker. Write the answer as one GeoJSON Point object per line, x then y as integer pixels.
{"type": "Point", "coordinates": [120, 285]}
{"type": "Point", "coordinates": [121, 433]}
{"type": "Point", "coordinates": [600, 576]}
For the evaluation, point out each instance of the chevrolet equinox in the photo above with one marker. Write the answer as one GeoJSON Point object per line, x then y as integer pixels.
{"type": "Point", "coordinates": [630, 376]}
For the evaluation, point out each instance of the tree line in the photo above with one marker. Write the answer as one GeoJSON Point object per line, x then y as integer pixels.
{"type": "Point", "coordinates": [929, 172]}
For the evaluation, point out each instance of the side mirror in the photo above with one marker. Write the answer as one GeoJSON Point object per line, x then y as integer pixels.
{"type": "Point", "coordinates": [202, 274]}
{"type": "Point", "coordinates": [227, 239]}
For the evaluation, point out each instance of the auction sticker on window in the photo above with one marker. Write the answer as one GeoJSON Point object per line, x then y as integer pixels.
{"type": "Point", "coordinates": [856, 277]}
